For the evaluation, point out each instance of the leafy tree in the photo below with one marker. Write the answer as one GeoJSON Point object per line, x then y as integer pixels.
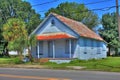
{"type": "Point", "coordinates": [77, 12]}
{"type": "Point", "coordinates": [110, 31]}
{"type": "Point", "coordinates": [18, 9]}
{"type": "Point", "coordinates": [15, 33]}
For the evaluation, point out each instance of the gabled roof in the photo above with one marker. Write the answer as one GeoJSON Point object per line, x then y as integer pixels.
{"type": "Point", "coordinates": [78, 27]}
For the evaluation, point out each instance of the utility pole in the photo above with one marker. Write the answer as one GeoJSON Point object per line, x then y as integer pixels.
{"type": "Point", "coordinates": [118, 17]}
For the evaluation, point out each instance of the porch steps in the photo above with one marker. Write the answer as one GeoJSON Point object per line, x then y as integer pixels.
{"type": "Point", "coordinates": [56, 60]}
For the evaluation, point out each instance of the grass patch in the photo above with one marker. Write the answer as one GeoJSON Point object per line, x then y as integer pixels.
{"type": "Point", "coordinates": [10, 60]}
{"type": "Point", "coordinates": [111, 64]}
{"type": "Point", "coordinates": [108, 64]}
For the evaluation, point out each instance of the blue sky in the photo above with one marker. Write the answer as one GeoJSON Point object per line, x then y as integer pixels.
{"type": "Point", "coordinates": [46, 7]}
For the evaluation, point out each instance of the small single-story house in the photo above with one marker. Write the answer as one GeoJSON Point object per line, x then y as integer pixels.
{"type": "Point", "coordinates": [61, 37]}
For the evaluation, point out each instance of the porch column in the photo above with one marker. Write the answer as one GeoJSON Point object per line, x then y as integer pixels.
{"type": "Point", "coordinates": [53, 48]}
{"type": "Point", "coordinates": [38, 50]}
{"type": "Point", "coordinates": [70, 56]}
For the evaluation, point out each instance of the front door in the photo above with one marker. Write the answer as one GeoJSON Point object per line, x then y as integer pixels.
{"type": "Point", "coordinates": [50, 49]}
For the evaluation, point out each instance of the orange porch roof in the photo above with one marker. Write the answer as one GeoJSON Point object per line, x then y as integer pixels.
{"type": "Point", "coordinates": [52, 36]}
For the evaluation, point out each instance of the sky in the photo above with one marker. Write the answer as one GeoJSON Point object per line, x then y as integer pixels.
{"type": "Point", "coordinates": [98, 4]}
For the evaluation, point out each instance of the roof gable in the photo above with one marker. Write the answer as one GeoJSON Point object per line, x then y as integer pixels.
{"type": "Point", "coordinates": [78, 27]}
{"type": "Point", "coordinates": [46, 27]}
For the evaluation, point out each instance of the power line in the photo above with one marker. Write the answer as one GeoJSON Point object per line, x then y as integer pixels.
{"type": "Point", "coordinates": [101, 9]}
{"type": "Point", "coordinates": [98, 9]}
{"type": "Point", "coordinates": [45, 3]}
{"type": "Point", "coordinates": [84, 4]}
{"type": "Point", "coordinates": [97, 2]}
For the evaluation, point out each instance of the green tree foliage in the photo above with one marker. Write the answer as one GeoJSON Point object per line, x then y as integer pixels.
{"type": "Point", "coordinates": [15, 33]}
{"type": "Point", "coordinates": [77, 12]}
{"type": "Point", "coordinates": [110, 30]}
{"type": "Point", "coordinates": [19, 9]}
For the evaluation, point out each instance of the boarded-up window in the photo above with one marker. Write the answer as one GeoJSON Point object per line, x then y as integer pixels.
{"type": "Point", "coordinates": [85, 42]}
{"type": "Point", "coordinates": [85, 45]}
{"type": "Point", "coordinates": [73, 45]}
{"type": "Point", "coordinates": [98, 44]}
{"type": "Point", "coordinates": [67, 46]}
{"type": "Point", "coordinates": [92, 43]}
{"type": "Point", "coordinates": [98, 48]}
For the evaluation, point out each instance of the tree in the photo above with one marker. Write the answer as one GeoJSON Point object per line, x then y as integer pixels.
{"type": "Point", "coordinates": [15, 33]}
{"type": "Point", "coordinates": [110, 31]}
{"type": "Point", "coordinates": [77, 12]}
{"type": "Point", "coordinates": [31, 41]}
{"type": "Point", "coordinates": [18, 9]}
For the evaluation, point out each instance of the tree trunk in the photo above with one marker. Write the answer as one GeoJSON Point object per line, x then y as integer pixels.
{"type": "Point", "coordinates": [116, 51]}
{"type": "Point", "coordinates": [20, 55]}
{"type": "Point", "coordinates": [29, 54]}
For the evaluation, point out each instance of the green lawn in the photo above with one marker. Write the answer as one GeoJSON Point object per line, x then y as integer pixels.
{"type": "Point", "coordinates": [109, 64]}
{"type": "Point", "coordinates": [12, 60]}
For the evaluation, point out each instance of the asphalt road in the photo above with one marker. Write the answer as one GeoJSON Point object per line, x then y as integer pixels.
{"type": "Point", "coordinates": [47, 74]}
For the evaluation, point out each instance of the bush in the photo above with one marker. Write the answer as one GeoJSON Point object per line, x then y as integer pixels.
{"type": "Point", "coordinates": [17, 61]}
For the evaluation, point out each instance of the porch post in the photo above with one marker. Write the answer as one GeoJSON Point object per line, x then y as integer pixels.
{"type": "Point", "coordinates": [53, 49]}
{"type": "Point", "coordinates": [38, 50]}
{"type": "Point", "coordinates": [70, 48]}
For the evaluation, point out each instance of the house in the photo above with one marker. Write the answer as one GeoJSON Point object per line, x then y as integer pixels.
{"type": "Point", "coordinates": [61, 37]}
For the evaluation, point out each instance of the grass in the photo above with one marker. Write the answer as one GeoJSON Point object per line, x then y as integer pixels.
{"type": "Point", "coordinates": [111, 64]}
{"type": "Point", "coordinates": [10, 60]}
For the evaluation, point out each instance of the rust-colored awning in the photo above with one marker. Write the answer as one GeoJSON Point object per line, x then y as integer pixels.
{"type": "Point", "coordinates": [51, 36]}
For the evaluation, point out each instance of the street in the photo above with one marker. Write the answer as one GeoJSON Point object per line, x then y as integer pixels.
{"type": "Point", "coordinates": [48, 74]}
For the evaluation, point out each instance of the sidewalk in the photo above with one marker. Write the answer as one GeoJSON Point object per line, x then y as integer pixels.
{"type": "Point", "coordinates": [22, 66]}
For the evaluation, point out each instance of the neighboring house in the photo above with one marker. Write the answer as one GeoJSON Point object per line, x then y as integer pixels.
{"type": "Point", "coordinates": [61, 37]}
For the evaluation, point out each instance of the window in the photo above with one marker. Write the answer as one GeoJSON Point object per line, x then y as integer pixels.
{"type": "Point", "coordinates": [73, 45]}
{"type": "Point", "coordinates": [92, 43]}
{"type": "Point", "coordinates": [67, 46]}
{"type": "Point", "coordinates": [98, 44]}
{"type": "Point", "coordinates": [41, 47]}
{"type": "Point", "coordinates": [52, 22]}
{"type": "Point", "coordinates": [36, 50]}
{"type": "Point", "coordinates": [85, 42]}
{"type": "Point", "coordinates": [85, 45]}
{"type": "Point", "coordinates": [98, 48]}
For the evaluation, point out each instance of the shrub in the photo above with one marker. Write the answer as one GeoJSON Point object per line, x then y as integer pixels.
{"type": "Point", "coordinates": [17, 61]}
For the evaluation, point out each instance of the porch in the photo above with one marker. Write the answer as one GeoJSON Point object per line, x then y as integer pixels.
{"type": "Point", "coordinates": [55, 47]}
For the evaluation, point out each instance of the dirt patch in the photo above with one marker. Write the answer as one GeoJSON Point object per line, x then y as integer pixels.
{"type": "Point", "coordinates": [76, 67]}
{"type": "Point", "coordinates": [22, 66]}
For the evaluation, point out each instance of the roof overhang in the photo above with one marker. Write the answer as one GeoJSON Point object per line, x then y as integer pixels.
{"type": "Point", "coordinates": [53, 36]}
